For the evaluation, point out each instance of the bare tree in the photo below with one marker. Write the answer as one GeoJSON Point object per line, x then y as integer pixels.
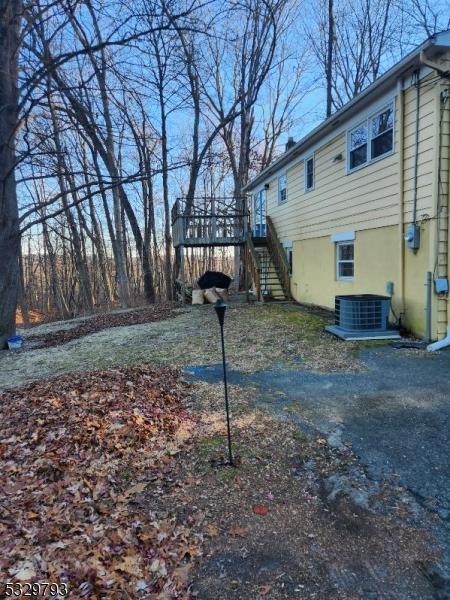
{"type": "Point", "coordinates": [10, 15]}
{"type": "Point", "coordinates": [329, 58]}
{"type": "Point", "coordinates": [352, 41]}
{"type": "Point", "coordinates": [428, 17]}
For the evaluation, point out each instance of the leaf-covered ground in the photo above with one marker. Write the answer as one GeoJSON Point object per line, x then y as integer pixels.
{"type": "Point", "coordinates": [96, 323]}
{"type": "Point", "coordinates": [109, 482]}
{"type": "Point", "coordinates": [77, 453]}
{"type": "Point", "coordinates": [109, 479]}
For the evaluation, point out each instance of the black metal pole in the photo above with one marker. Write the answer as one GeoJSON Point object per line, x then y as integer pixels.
{"type": "Point", "coordinates": [227, 409]}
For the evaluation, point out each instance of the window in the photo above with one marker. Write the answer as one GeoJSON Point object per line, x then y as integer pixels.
{"type": "Point", "coordinates": [259, 214]}
{"type": "Point", "coordinates": [382, 133]}
{"type": "Point", "coordinates": [344, 260]}
{"type": "Point", "coordinates": [309, 173]}
{"type": "Point", "coordinates": [371, 139]}
{"type": "Point", "coordinates": [282, 189]}
{"type": "Point", "coordinates": [358, 146]}
{"type": "Point", "coordinates": [288, 249]}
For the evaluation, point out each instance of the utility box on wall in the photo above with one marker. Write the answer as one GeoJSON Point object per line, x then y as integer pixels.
{"type": "Point", "coordinates": [412, 236]}
{"type": "Point", "coordinates": [441, 285]}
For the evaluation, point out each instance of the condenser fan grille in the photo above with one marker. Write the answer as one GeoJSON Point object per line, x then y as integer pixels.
{"type": "Point", "coordinates": [362, 312]}
{"type": "Point", "coordinates": [362, 316]}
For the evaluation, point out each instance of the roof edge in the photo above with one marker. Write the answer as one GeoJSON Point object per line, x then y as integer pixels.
{"type": "Point", "coordinates": [309, 139]}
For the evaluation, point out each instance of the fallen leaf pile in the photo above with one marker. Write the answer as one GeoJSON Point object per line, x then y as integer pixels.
{"type": "Point", "coordinates": [85, 460]}
{"type": "Point", "coordinates": [149, 314]}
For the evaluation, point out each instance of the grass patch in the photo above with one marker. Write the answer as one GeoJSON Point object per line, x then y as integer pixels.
{"type": "Point", "coordinates": [359, 346]}
{"type": "Point", "coordinates": [207, 446]}
{"type": "Point", "coordinates": [257, 337]}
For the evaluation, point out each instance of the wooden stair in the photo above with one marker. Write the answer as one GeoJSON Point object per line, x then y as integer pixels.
{"type": "Point", "coordinates": [271, 288]}
{"type": "Point", "coordinates": [269, 266]}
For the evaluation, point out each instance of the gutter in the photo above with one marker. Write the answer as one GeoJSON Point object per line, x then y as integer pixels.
{"type": "Point", "coordinates": [411, 60]}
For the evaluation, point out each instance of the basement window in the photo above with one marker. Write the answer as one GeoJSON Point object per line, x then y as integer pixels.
{"type": "Point", "coordinates": [345, 263]}
{"type": "Point", "coordinates": [282, 189]}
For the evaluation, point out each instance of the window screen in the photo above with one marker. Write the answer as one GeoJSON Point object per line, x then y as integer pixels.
{"type": "Point", "coordinates": [358, 146]}
{"type": "Point", "coordinates": [382, 133]}
{"type": "Point", "coordinates": [282, 189]}
{"type": "Point", "coordinates": [345, 260]}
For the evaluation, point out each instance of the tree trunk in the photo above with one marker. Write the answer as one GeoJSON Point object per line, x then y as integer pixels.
{"type": "Point", "coordinates": [165, 179]}
{"type": "Point", "coordinates": [58, 296]}
{"type": "Point", "coordinates": [10, 12]}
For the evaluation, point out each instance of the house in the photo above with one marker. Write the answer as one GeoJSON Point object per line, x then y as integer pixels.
{"type": "Point", "coordinates": [360, 204]}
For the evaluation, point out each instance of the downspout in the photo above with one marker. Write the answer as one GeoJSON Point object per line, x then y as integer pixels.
{"type": "Point", "coordinates": [441, 344]}
{"type": "Point", "coordinates": [401, 202]}
{"type": "Point", "coordinates": [439, 234]}
{"type": "Point", "coordinates": [416, 145]}
{"type": "Point", "coordinates": [439, 229]}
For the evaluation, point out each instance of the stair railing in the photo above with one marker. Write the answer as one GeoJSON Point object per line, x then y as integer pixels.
{"type": "Point", "coordinates": [279, 258]}
{"type": "Point", "coordinates": [255, 266]}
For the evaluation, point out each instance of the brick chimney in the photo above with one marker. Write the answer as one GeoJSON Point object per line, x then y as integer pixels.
{"type": "Point", "coordinates": [290, 143]}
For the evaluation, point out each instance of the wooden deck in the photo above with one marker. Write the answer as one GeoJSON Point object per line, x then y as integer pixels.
{"type": "Point", "coordinates": [209, 222]}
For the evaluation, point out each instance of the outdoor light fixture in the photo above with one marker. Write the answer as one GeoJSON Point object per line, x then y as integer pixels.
{"type": "Point", "coordinates": [266, 186]}
{"type": "Point", "coordinates": [220, 307]}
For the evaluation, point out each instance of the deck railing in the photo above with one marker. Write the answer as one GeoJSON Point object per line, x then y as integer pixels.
{"type": "Point", "coordinates": [209, 221]}
{"type": "Point", "coordinates": [278, 257]}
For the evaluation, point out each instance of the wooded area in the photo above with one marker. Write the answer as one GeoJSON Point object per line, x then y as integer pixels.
{"type": "Point", "coordinates": [110, 110]}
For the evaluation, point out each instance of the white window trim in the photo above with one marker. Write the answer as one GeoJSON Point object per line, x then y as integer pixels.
{"type": "Point", "coordinates": [311, 156]}
{"type": "Point", "coordinates": [350, 149]}
{"type": "Point", "coordinates": [366, 122]}
{"type": "Point", "coordinates": [345, 236]}
{"type": "Point", "coordinates": [279, 189]}
{"type": "Point", "coordinates": [344, 243]}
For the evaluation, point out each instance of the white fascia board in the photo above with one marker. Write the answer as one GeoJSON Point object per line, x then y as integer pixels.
{"type": "Point", "coordinates": [346, 236]}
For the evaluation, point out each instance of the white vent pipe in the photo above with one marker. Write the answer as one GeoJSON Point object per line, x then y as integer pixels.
{"type": "Point", "coordinates": [441, 344]}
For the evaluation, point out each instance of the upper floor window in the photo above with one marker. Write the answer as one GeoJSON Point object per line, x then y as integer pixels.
{"type": "Point", "coordinates": [358, 146]}
{"type": "Point", "coordinates": [372, 138]}
{"type": "Point", "coordinates": [282, 189]}
{"type": "Point", "coordinates": [382, 133]}
{"type": "Point", "coordinates": [309, 173]}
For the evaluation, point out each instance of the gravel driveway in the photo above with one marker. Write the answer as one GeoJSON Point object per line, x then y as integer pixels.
{"type": "Point", "coordinates": [395, 415]}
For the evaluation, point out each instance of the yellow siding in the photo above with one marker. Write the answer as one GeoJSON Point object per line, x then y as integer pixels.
{"type": "Point", "coordinates": [314, 273]}
{"type": "Point", "coordinates": [368, 201]}
{"type": "Point", "coordinates": [427, 143]}
{"type": "Point", "coordinates": [365, 198]}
